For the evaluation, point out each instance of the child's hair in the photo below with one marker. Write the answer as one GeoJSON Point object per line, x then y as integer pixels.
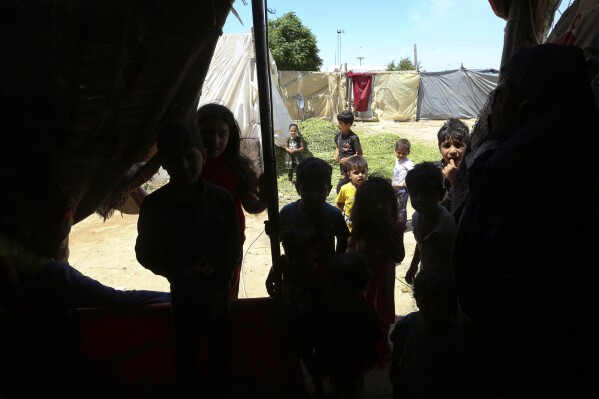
{"type": "Point", "coordinates": [296, 126]}
{"type": "Point", "coordinates": [370, 192]}
{"type": "Point", "coordinates": [356, 162]}
{"type": "Point", "coordinates": [435, 283]}
{"type": "Point", "coordinates": [346, 116]}
{"type": "Point", "coordinates": [403, 144]}
{"type": "Point", "coordinates": [238, 162]}
{"type": "Point", "coordinates": [425, 175]}
{"type": "Point", "coordinates": [454, 129]}
{"type": "Point", "coordinates": [314, 170]}
{"type": "Point", "coordinates": [178, 133]}
{"type": "Point", "coordinates": [348, 272]}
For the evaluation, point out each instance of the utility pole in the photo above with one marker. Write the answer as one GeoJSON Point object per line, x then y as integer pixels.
{"type": "Point", "coordinates": [360, 58]}
{"type": "Point", "coordinates": [339, 32]}
{"type": "Point", "coordinates": [415, 57]}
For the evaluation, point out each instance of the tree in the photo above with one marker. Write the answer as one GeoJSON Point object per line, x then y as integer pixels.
{"type": "Point", "coordinates": [293, 46]}
{"type": "Point", "coordinates": [405, 64]}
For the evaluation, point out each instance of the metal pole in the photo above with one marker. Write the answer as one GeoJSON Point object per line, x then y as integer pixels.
{"type": "Point", "coordinates": [266, 125]}
{"type": "Point", "coordinates": [415, 57]}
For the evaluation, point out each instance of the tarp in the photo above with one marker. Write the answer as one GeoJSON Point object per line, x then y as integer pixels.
{"type": "Point", "coordinates": [321, 91]}
{"type": "Point", "coordinates": [396, 95]}
{"type": "Point", "coordinates": [231, 81]}
{"type": "Point", "coordinates": [453, 94]}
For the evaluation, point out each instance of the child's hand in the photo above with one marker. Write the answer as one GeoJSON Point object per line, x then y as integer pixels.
{"type": "Point", "coordinates": [343, 161]}
{"type": "Point", "coordinates": [450, 171]}
{"type": "Point", "coordinates": [411, 274]}
{"type": "Point", "coordinates": [272, 288]}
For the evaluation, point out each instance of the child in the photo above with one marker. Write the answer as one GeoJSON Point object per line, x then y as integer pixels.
{"type": "Point", "coordinates": [453, 140]}
{"type": "Point", "coordinates": [426, 342]}
{"type": "Point", "coordinates": [351, 338]}
{"type": "Point", "coordinates": [357, 170]}
{"type": "Point", "coordinates": [347, 144]}
{"type": "Point", "coordinates": [433, 226]}
{"type": "Point", "coordinates": [377, 234]}
{"type": "Point", "coordinates": [189, 233]}
{"type": "Point", "coordinates": [309, 228]}
{"type": "Point", "coordinates": [294, 147]}
{"type": "Point", "coordinates": [227, 167]}
{"type": "Point", "coordinates": [402, 166]}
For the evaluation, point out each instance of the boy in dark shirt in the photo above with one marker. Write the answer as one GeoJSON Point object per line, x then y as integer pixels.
{"type": "Point", "coordinates": [188, 233]}
{"type": "Point", "coordinates": [347, 144]}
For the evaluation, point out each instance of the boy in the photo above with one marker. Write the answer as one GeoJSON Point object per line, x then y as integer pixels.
{"type": "Point", "coordinates": [453, 138]}
{"type": "Point", "coordinates": [426, 343]}
{"type": "Point", "coordinates": [357, 170]}
{"type": "Point", "coordinates": [188, 233]}
{"type": "Point", "coordinates": [347, 144]}
{"type": "Point", "coordinates": [402, 166]}
{"type": "Point", "coordinates": [433, 226]}
{"type": "Point", "coordinates": [309, 228]}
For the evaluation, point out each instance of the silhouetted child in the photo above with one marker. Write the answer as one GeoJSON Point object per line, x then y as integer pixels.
{"type": "Point", "coordinates": [351, 339]}
{"type": "Point", "coordinates": [294, 146]}
{"type": "Point", "coordinates": [347, 144]}
{"type": "Point", "coordinates": [226, 166]}
{"type": "Point", "coordinates": [357, 169]}
{"type": "Point", "coordinates": [309, 229]}
{"type": "Point", "coordinates": [426, 343]}
{"type": "Point", "coordinates": [453, 139]}
{"type": "Point", "coordinates": [377, 234]}
{"type": "Point", "coordinates": [402, 166]}
{"type": "Point", "coordinates": [433, 226]}
{"type": "Point", "coordinates": [189, 233]}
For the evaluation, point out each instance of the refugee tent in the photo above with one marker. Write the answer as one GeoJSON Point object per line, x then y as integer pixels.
{"type": "Point", "coordinates": [231, 81]}
{"type": "Point", "coordinates": [453, 94]}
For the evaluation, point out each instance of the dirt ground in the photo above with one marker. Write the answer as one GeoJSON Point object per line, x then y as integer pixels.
{"type": "Point", "coordinates": [105, 250]}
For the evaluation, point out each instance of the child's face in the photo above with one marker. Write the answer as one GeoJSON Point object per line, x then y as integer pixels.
{"type": "Point", "coordinates": [313, 195]}
{"type": "Point", "coordinates": [215, 134]}
{"type": "Point", "coordinates": [344, 127]}
{"type": "Point", "coordinates": [293, 131]}
{"type": "Point", "coordinates": [401, 154]}
{"type": "Point", "coordinates": [452, 150]}
{"type": "Point", "coordinates": [184, 165]}
{"type": "Point", "coordinates": [358, 176]}
{"type": "Point", "coordinates": [424, 199]}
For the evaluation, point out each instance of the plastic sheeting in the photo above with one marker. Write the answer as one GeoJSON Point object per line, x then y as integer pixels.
{"type": "Point", "coordinates": [396, 95]}
{"type": "Point", "coordinates": [232, 81]}
{"type": "Point", "coordinates": [320, 91]}
{"type": "Point", "coordinates": [453, 94]}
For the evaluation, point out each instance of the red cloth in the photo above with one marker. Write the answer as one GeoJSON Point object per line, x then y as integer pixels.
{"type": "Point", "coordinates": [216, 171]}
{"type": "Point", "coordinates": [361, 86]}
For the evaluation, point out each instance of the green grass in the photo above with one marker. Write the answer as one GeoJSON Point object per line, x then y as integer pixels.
{"type": "Point", "coordinates": [379, 151]}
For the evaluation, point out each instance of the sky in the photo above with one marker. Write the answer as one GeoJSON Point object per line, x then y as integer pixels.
{"type": "Point", "coordinates": [447, 33]}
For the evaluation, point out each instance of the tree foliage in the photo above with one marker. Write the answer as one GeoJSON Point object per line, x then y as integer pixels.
{"type": "Point", "coordinates": [293, 46]}
{"type": "Point", "coordinates": [404, 64]}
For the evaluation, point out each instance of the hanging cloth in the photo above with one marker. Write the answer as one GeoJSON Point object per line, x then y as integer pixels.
{"type": "Point", "coordinates": [362, 83]}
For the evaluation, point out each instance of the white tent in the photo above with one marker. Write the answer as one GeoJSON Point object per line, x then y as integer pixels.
{"type": "Point", "coordinates": [232, 81]}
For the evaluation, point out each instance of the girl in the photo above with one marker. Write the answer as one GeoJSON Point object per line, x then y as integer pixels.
{"type": "Point", "coordinates": [227, 167]}
{"type": "Point", "coordinates": [294, 147]}
{"type": "Point", "coordinates": [377, 234]}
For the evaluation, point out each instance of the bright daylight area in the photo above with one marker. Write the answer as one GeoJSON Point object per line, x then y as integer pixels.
{"type": "Point", "coordinates": [389, 237]}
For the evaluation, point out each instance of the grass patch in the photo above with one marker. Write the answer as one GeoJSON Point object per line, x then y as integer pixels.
{"type": "Point", "coordinates": [379, 151]}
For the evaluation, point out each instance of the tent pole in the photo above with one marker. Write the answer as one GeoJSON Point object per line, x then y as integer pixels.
{"type": "Point", "coordinates": [266, 125]}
